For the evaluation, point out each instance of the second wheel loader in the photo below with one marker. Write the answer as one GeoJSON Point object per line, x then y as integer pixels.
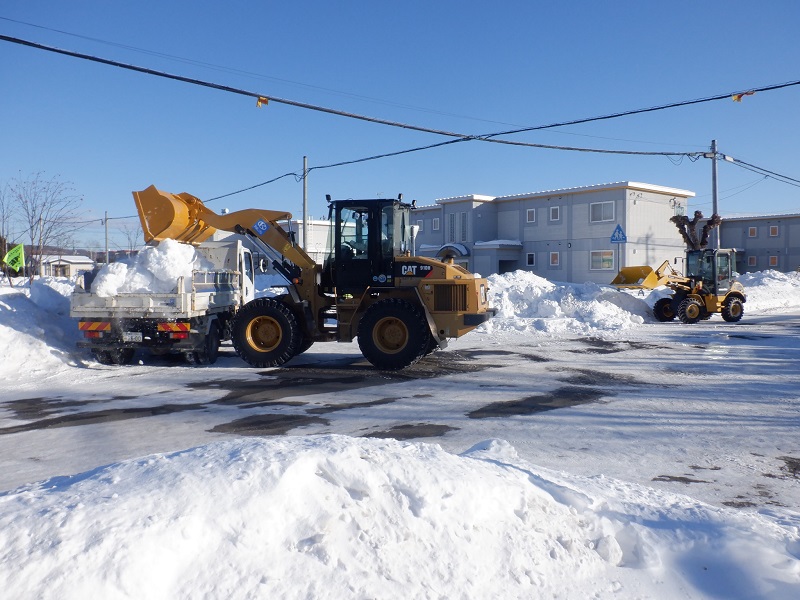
{"type": "Point", "coordinates": [400, 307]}
{"type": "Point", "coordinates": [708, 286]}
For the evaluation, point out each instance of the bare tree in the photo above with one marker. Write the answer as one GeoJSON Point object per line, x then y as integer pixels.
{"type": "Point", "coordinates": [5, 220]}
{"type": "Point", "coordinates": [133, 234]}
{"type": "Point", "coordinates": [688, 229]}
{"type": "Point", "coordinates": [48, 209]}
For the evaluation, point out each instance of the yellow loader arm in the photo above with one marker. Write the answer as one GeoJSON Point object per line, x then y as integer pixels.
{"type": "Point", "coordinates": [185, 218]}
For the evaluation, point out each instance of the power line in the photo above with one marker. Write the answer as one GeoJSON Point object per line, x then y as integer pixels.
{"type": "Point", "coordinates": [483, 137]}
{"type": "Point", "coordinates": [490, 137]}
{"type": "Point", "coordinates": [761, 171]}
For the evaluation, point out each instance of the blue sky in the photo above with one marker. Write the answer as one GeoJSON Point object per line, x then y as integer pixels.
{"type": "Point", "coordinates": [469, 67]}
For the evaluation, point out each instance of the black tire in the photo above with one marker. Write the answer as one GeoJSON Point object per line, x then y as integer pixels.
{"type": "Point", "coordinates": [265, 333]}
{"type": "Point", "coordinates": [662, 310]}
{"type": "Point", "coordinates": [393, 334]}
{"type": "Point", "coordinates": [305, 344]}
{"type": "Point", "coordinates": [690, 311]}
{"type": "Point", "coordinates": [210, 351]}
{"type": "Point", "coordinates": [733, 310]}
{"type": "Point", "coordinates": [117, 356]}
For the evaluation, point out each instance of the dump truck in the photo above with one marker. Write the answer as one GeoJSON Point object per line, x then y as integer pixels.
{"type": "Point", "coordinates": [369, 287]}
{"type": "Point", "coordinates": [192, 320]}
{"type": "Point", "coordinates": [709, 286]}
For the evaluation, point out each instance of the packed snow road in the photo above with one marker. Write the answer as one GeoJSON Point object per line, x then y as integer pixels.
{"type": "Point", "coordinates": [709, 410]}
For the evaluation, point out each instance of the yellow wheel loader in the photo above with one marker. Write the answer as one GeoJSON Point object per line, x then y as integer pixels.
{"type": "Point", "coordinates": [709, 286]}
{"type": "Point", "coordinates": [400, 307]}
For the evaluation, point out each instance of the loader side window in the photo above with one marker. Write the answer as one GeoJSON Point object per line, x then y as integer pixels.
{"type": "Point", "coordinates": [354, 234]}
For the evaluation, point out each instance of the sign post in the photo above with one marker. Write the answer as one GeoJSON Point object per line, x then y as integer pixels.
{"type": "Point", "coordinates": [618, 237]}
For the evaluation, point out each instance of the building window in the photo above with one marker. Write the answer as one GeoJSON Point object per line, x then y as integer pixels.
{"type": "Point", "coordinates": [435, 226]}
{"type": "Point", "coordinates": [555, 213]}
{"type": "Point", "coordinates": [600, 212]}
{"type": "Point", "coordinates": [773, 231]}
{"type": "Point", "coordinates": [531, 215]}
{"type": "Point", "coordinates": [531, 259]}
{"type": "Point", "coordinates": [752, 231]}
{"type": "Point", "coordinates": [752, 261]}
{"type": "Point", "coordinates": [451, 227]}
{"type": "Point", "coordinates": [773, 261]}
{"type": "Point", "coordinates": [601, 260]}
{"type": "Point", "coordinates": [419, 225]}
{"type": "Point", "coordinates": [463, 227]}
{"type": "Point", "coordinates": [555, 259]}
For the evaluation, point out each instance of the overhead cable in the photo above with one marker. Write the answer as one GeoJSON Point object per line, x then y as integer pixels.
{"type": "Point", "coordinates": [265, 98]}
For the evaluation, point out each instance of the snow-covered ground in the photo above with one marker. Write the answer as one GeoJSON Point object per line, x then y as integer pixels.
{"type": "Point", "coordinates": [572, 447]}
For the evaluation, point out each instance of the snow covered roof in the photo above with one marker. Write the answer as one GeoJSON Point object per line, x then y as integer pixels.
{"type": "Point", "coordinates": [499, 244]}
{"type": "Point", "coordinates": [70, 259]}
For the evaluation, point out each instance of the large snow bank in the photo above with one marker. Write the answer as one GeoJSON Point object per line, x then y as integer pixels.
{"type": "Point", "coordinates": [340, 517]}
{"type": "Point", "coordinates": [155, 269]}
{"type": "Point", "coordinates": [528, 303]}
{"type": "Point", "coordinates": [37, 335]}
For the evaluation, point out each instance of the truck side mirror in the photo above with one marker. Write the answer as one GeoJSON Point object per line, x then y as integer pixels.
{"type": "Point", "coordinates": [262, 265]}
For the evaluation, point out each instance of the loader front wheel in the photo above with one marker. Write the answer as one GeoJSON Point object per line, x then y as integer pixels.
{"type": "Point", "coordinates": [733, 310]}
{"type": "Point", "coordinates": [393, 334]}
{"type": "Point", "coordinates": [690, 311]}
{"type": "Point", "coordinates": [662, 310]}
{"type": "Point", "coordinates": [265, 333]}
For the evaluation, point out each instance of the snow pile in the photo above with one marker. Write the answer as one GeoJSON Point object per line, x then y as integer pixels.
{"type": "Point", "coordinates": [340, 517]}
{"type": "Point", "coordinates": [155, 269]}
{"type": "Point", "coordinates": [767, 290]}
{"type": "Point", "coordinates": [528, 303]}
{"type": "Point", "coordinates": [37, 335]}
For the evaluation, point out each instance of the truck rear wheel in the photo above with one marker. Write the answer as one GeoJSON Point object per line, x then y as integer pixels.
{"type": "Point", "coordinates": [662, 310]}
{"type": "Point", "coordinates": [690, 311]}
{"type": "Point", "coordinates": [733, 310]}
{"type": "Point", "coordinates": [265, 333]}
{"type": "Point", "coordinates": [117, 356]}
{"type": "Point", "coordinates": [210, 351]}
{"type": "Point", "coordinates": [393, 334]}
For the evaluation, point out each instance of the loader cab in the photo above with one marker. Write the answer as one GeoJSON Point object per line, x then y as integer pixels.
{"type": "Point", "coordinates": [366, 236]}
{"type": "Point", "coordinates": [715, 268]}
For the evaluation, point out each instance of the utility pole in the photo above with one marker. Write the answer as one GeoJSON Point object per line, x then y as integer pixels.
{"type": "Point", "coordinates": [305, 203]}
{"type": "Point", "coordinates": [106, 222]}
{"type": "Point", "coordinates": [714, 198]}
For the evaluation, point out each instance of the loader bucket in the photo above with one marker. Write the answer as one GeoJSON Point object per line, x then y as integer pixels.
{"type": "Point", "coordinates": [175, 216]}
{"type": "Point", "coordinates": [639, 277]}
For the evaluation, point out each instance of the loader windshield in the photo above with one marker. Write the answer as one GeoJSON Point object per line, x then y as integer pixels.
{"type": "Point", "coordinates": [699, 265]}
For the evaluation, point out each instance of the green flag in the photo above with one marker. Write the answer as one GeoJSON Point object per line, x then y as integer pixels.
{"type": "Point", "coordinates": [15, 258]}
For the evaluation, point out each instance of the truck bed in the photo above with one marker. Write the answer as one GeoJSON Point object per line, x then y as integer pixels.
{"type": "Point", "coordinates": [210, 292]}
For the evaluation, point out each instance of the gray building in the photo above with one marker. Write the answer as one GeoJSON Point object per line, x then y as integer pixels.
{"type": "Point", "coordinates": [763, 242]}
{"type": "Point", "coordinates": [562, 235]}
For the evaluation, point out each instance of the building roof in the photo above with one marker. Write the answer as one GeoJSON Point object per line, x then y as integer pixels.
{"type": "Point", "coordinates": [634, 185]}
{"type": "Point", "coordinates": [467, 198]}
{"type": "Point", "coordinates": [71, 259]}
{"type": "Point", "coordinates": [751, 217]}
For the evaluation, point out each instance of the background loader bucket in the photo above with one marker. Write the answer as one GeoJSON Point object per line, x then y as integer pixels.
{"type": "Point", "coordinates": [178, 217]}
{"type": "Point", "coordinates": [638, 277]}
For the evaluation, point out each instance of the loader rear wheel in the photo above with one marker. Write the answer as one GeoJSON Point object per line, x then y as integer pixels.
{"type": "Point", "coordinates": [265, 333]}
{"type": "Point", "coordinates": [393, 334]}
{"type": "Point", "coordinates": [733, 310]}
{"type": "Point", "coordinates": [662, 310]}
{"type": "Point", "coordinates": [690, 311]}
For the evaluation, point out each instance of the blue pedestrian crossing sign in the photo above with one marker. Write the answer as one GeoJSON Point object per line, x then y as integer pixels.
{"type": "Point", "coordinates": [618, 237]}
